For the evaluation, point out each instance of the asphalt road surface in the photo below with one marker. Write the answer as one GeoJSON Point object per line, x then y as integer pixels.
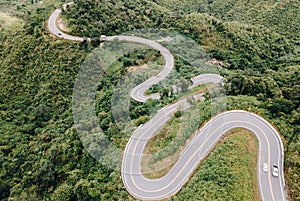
{"type": "Point", "coordinates": [53, 28]}
{"type": "Point", "coordinates": [270, 144]}
{"type": "Point", "coordinates": [270, 152]}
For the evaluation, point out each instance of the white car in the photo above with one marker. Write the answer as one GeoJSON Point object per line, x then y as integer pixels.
{"type": "Point", "coordinates": [275, 172]}
{"type": "Point", "coordinates": [265, 167]}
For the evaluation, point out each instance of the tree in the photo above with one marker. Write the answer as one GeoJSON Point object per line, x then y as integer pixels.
{"type": "Point", "coordinates": [164, 92]}
{"type": "Point", "coordinates": [178, 114]}
{"type": "Point", "coordinates": [42, 114]}
{"type": "Point", "coordinates": [84, 43]}
{"type": "Point", "coordinates": [183, 84]}
{"type": "Point", "coordinates": [281, 105]}
{"type": "Point", "coordinates": [95, 42]}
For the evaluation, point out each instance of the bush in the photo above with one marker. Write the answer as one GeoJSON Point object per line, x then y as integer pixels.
{"type": "Point", "coordinates": [178, 114]}
{"type": "Point", "coordinates": [141, 120]}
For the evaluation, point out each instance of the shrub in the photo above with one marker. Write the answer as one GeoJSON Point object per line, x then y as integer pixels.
{"type": "Point", "coordinates": [141, 120]}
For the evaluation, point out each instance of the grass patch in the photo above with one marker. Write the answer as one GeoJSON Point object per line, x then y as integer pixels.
{"type": "Point", "coordinates": [201, 89]}
{"type": "Point", "coordinates": [163, 150]}
{"type": "Point", "coordinates": [155, 146]}
{"type": "Point", "coordinates": [8, 22]}
{"type": "Point", "coordinates": [228, 173]}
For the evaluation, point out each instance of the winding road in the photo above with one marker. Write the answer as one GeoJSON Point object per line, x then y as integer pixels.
{"type": "Point", "coordinates": [270, 144]}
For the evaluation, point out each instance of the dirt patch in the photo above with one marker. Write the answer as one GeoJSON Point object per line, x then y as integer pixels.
{"type": "Point", "coordinates": [134, 68]}
{"type": "Point", "coordinates": [61, 25]}
{"type": "Point", "coordinates": [166, 39]}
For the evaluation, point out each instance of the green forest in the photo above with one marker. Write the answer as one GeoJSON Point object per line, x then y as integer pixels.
{"type": "Point", "coordinates": [41, 155]}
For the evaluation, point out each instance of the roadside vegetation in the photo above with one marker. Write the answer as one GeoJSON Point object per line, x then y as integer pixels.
{"type": "Point", "coordinates": [41, 155]}
{"type": "Point", "coordinates": [163, 150]}
{"type": "Point", "coordinates": [228, 173]}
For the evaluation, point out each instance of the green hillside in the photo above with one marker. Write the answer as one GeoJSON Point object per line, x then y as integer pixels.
{"type": "Point", "coordinates": [41, 155]}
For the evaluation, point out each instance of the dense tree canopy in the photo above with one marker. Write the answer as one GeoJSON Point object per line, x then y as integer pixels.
{"type": "Point", "coordinates": [41, 155]}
